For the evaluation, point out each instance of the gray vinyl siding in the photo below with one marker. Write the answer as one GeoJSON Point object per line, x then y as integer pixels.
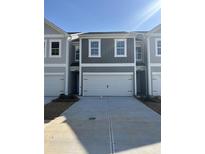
{"type": "Point", "coordinates": [107, 52]}
{"type": "Point", "coordinates": [54, 69]}
{"type": "Point", "coordinates": [155, 69]}
{"type": "Point", "coordinates": [49, 30]}
{"type": "Point", "coordinates": [107, 69]}
{"type": "Point", "coordinates": [55, 60]}
{"type": "Point", "coordinates": [153, 57]}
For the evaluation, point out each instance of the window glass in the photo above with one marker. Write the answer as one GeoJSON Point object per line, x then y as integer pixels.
{"type": "Point", "coordinates": [120, 48]}
{"type": "Point", "coordinates": [94, 48]}
{"type": "Point", "coordinates": [77, 53]}
{"type": "Point", "coordinates": [139, 53]}
{"type": "Point", "coordinates": [159, 47]}
{"type": "Point", "coordinates": [55, 48]}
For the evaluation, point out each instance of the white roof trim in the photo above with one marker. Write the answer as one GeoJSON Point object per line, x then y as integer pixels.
{"type": "Point", "coordinates": [55, 27]}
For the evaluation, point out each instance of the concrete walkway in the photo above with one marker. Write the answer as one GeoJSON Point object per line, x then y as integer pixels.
{"type": "Point", "coordinates": [121, 125]}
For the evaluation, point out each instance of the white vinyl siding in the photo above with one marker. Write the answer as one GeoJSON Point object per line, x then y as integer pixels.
{"type": "Point", "coordinates": [120, 48]}
{"type": "Point", "coordinates": [55, 48]}
{"type": "Point", "coordinates": [158, 47]}
{"type": "Point", "coordinates": [94, 48]}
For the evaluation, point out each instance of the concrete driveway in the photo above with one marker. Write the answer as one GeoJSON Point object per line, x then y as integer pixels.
{"type": "Point", "coordinates": [106, 125]}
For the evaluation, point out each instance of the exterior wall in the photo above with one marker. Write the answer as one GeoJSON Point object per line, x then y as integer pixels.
{"type": "Point", "coordinates": [107, 69]}
{"type": "Point", "coordinates": [48, 31]}
{"type": "Point", "coordinates": [55, 60]}
{"type": "Point", "coordinates": [153, 57]}
{"type": "Point", "coordinates": [54, 69]}
{"type": "Point", "coordinates": [107, 52]}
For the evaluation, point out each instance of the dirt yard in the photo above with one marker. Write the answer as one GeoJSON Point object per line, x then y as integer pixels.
{"type": "Point", "coordinates": [58, 106]}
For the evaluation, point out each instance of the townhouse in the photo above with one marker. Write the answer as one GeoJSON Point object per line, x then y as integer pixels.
{"type": "Point", "coordinates": [102, 63]}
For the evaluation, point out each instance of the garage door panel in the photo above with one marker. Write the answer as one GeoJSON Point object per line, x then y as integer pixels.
{"type": "Point", "coordinates": [108, 85]}
{"type": "Point", "coordinates": [53, 85]}
{"type": "Point", "coordinates": [156, 84]}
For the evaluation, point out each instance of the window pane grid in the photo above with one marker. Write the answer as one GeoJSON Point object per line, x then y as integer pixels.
{"type": "Point", "coordinates": [120, 48]}
{"type": "Point", "coordinates": [94, 48]}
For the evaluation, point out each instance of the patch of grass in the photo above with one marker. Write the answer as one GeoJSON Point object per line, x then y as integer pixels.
{"type": "Point", "coordinates": [58, 106]}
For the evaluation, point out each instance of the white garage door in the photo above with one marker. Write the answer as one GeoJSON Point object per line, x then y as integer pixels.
{"type": "Point", "coordinates": [156, 84]}
{"type": "Point", "coordinates": [53, 85]}
{"type": "Point", "coordinates": [109, 84]}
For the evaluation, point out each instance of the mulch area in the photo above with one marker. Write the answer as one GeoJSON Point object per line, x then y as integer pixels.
{"type": "Point", "coordinates": [153, 103]}
{"type": "Point", "coordinates": [58, 106]}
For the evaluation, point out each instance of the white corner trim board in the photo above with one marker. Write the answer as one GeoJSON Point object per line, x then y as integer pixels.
{"type": "Point", "coordinates": [135, 68]}
{"type": "Point", "coordinates": [80, 65]}
{"type": "Point", "coordinates": [54, 65]}
{"type": "Point", "coordinates": [108, 73]}
{"type": "Point", "coordinates": [106, 64]}
{"type": "Point", "coordinates": [67, 57]}
{"type": "Point", "coordinates": [149, 69]}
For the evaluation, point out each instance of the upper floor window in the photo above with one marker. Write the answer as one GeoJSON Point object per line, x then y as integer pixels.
{"type": "Point", "coordinates": [139, 53]}
{"type": "Point", "coordinates": [45, 46]}
{"type": "Point", "coordinates": [158, 47]}
{"type": "Point", "coordinates": [120, 48]}
{"type": "Point", "coordinates": [76, 52]}
{"type": "Point", "coordinates": [55, 48]}
{"type": "Point", "coordinates": [94, 48]}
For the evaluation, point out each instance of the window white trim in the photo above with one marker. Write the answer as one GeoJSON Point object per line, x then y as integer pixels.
{"type": "Point", "coordinates": [45, 48]}
{"type": "Point", "coordinates": [156, 47]}
{"type": "Point", "coordinates": [125, 48]}
{"type": "Point", "coordinates": [77, 60]}
{"type": "Point", "coordinates": [99, 48]}
{"type": "Point", "coordinates": [106, 64]}
{"type": "Point", "coordinates": [50, 45]}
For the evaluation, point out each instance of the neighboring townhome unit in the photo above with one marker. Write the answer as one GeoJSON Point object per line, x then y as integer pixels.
{"type": "Point", "coordinates": [107, 65]}
{"type": "Point", "coordinates": [154, 61]}
{"type": "Point", "coordinates": [56, 57]}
